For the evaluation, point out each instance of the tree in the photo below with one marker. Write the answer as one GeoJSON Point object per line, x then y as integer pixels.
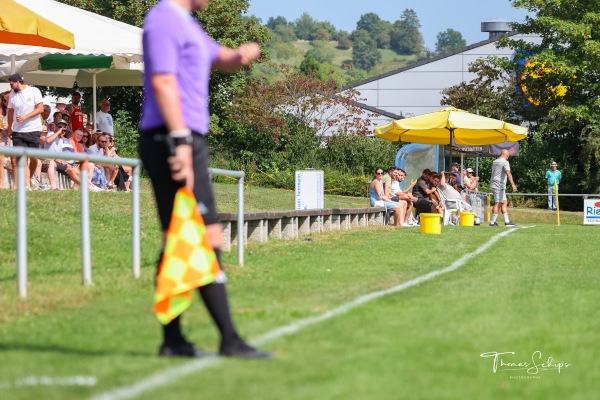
{"type": "Point", "coordinates": [128, 99]}
{"type": "Point", "coordinates": [321, 35]}
{"type": "Point", "coordinates": [274, 22]}
{"type": "Point", "coordinates": [131, 12]}
{"type": "Point", "coordinates": [378, 29]}
{"type": "Point", "coordinates": [321, 51]}
{"type": "Point", "coordinates": [314, 104]}
{"type": "Point", "coordinates": [491, 93]}
{"type": "Point", "coordinates": [326, 28]}
{"type": "Point", "coordinates": [304, 27]}
{"type": "Point", "coordinates": [405, 37]}
{"type": "Point", "coordinates": [564, 125]}
{"type": "Point", "coordinates": [222, 20]}
{"type": "Point", "coordinates": [368, 22]}
{"type": "Point", "coordinates": [285, 33]}
{"type": "Point", "coordinates": [568, 56]}
{"type": "Point", "coordinates": [344, 42]}
{"type": "Point", "coordinates": [364, 53]}
{"type": "Point", "coordinates": [449, 40]}
{"type": "Point", "coordinates": [309, 65]}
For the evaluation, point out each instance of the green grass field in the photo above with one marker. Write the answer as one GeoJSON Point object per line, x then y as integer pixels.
{"type": "Point", "coordinates": [390, 60]}
{"type": "Point", "coordinates": [534, 289]}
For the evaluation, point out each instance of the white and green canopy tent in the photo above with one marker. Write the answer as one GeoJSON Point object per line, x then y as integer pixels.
{"type": "Point", "coordinates": [106, 52]}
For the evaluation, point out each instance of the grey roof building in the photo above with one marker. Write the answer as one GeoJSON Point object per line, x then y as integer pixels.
{"type": "Point", "coordinates": [416, 89]}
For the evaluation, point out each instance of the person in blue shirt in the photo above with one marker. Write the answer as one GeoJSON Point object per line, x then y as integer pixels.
{"type": "Point", "coordinates": [553, 176]}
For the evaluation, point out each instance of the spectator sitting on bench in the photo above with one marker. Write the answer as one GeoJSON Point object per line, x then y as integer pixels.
{"type": "Point", "coordinates": [59, 143]}
{"type": "Point", "coordinates": [101, 149]}
{"type": "Point", "coordinates": [379, 199]}
{"type": "Point", "coordinates": [123, 173]}
{"type": "Point", "coordinates": [387, 180]}
{"type": "Point", "coordinates": [403, 196]}
{"type": "Point", "coordinates": [421, 191]}
{"type": "Point", "coordinates": [79, 146]}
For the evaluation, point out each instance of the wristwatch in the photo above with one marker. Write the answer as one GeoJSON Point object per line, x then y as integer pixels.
{"type": "Point", "coordinates": [181, 136]}
{"type": "Point", "coordinates": [183, 140]}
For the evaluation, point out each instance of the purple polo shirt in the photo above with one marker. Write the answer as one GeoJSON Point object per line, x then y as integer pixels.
{"type": "Point", "coordinates": [175, 43]}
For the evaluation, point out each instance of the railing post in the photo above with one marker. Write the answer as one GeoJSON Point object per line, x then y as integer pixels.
{"type": "Point", "coordinates": [135, 218]}
{"type": "Point", "coordinates": [240, 221]}
{"type": "Point", "coordinates": [86, 248]}
{"type": "Point", "coordinates": [21, 226]}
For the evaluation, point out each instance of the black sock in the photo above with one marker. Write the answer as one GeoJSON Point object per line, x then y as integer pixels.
{"type": "Point", "coordinates": [214, 296]}
{"type": "Point", "coordinates": [218, 254]}
{"type": "Point", "coordinates": [172, 332]}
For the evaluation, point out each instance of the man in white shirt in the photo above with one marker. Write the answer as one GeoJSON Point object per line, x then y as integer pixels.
{"type": "Point", "coordinates": [56, 142]}
{"type": "Point", "coordinates": [451, 193]}
{"type": "Point", "coordinates": [104, 121]}
{"type": "Point", "coordinates": [397, 194]}
{"type": "Point", "coordinates": [24, 122]}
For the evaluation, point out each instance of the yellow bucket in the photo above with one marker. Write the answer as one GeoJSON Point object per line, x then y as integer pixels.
{"type": "Point", "coordinates": [431, 223]}
{"type": "Point", "coordinates": [467, 218]}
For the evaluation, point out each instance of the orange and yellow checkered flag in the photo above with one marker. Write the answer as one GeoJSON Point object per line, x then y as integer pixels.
{"type": "Point", "coordinates": [188, 261]}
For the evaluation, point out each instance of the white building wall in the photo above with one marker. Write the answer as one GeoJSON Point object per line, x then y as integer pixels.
{"type": "Point", "coordinates": [418, 90]}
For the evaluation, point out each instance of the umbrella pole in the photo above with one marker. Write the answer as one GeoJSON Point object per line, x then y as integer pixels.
{"type": "Point", "coordinates": [95, 100]}
{"type": "Point", "coordinates": [451, 142]}
{"type": "Point", "coordinates": [13, 64]}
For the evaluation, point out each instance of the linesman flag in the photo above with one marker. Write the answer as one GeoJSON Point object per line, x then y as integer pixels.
{"type": "Point", "coordinates": [188, 261]}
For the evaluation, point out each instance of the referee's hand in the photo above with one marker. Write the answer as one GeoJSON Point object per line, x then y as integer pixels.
{"type": "Point", "coordinates": [181, 165]}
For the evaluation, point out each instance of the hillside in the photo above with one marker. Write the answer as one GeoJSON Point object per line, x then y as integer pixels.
{"type": "Point", "coordinates": [294, 52]}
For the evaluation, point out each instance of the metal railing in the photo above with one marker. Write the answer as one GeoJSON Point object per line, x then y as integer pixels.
{"type": "Point", "coordinates": [21, 153]}
{"type": "Point", "coordinates": [239, 175]}
{"type": "Point", "coordinates": [489, 196]}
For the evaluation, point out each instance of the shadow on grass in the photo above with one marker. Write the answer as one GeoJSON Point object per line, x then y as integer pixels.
{"type": "Point", "coordinates": [29, 347]}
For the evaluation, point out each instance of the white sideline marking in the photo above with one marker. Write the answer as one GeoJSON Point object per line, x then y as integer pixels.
{"type": "Point", "coordinates": [171, 374]}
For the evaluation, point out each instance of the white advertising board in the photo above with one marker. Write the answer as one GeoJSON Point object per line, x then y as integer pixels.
{"type": "Point", "coordinates": [309, 189]}
{"type": "Point", "coordinates": [591, 211]}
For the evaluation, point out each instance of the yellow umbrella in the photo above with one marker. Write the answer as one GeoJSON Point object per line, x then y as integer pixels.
{"type": "Point", "coordinates": [451, 125]}
{"type": "Point", "coordinates": [20, 25]}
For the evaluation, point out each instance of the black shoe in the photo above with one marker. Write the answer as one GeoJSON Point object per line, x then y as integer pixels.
{"type": "Point", "coordinates": [184, 349]}
{"type": "Point", "coordinates": [509, 223]}
{"type": "Point", "coordinates": [493, 224]}
{"type": "Point", "coordinates": [241, 349]}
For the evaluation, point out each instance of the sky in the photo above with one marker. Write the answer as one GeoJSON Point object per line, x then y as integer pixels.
{"type": "Point", "coordinates": [435, 16]}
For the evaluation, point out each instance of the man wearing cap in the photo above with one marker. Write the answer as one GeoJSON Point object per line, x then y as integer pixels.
{"type": "Point", "coordinates": [24, 122]}
{"type": "Point", "coordinates": [55, 142]}
{"type": "Point", "coordinates": [553, 176]}
{"type": "Point", "coordinates": [470, 181]}
{"type": "Point", "coordinates": [104, 121]}
{"type": "Point", "coordinates": [455, 169]}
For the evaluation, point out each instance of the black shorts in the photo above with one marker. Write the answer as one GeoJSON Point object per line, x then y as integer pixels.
{"type": "Point", "coordinates": [26, 139]}
{"type": "Point", "coordinates": [153, 153]}
{"type": "Point", "coordinates": [423, 204]}
{"type": "Point", "coordinates": [62, 168]}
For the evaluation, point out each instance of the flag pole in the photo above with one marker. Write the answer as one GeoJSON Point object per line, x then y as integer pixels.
{"type": "Point", "coordinates": [557, 207]}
